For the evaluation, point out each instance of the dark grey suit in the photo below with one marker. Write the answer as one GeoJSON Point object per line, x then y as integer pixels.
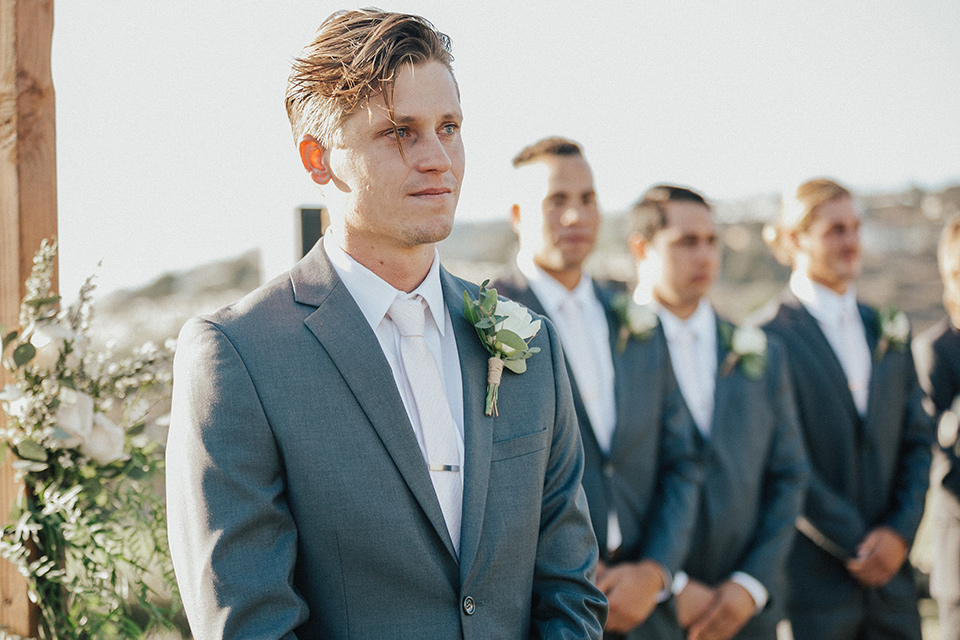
{"type": "Point", "coordinates": [652, 474]}
{"type": "Point", "coordinates": [866, 473]}
{"type": "Point", "coordinates": [937, 354]}
{"type": "Point", "coordinates": [756, 478]}
{"type": "Point", "coordinates": [300, 505]}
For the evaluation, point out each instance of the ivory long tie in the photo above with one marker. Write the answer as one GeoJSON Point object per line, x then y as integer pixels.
{"type": "Point", "coordinates": [436, 421]}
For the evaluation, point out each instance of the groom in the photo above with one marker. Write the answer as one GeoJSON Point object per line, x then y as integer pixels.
{"type": "Point", "coordinates": [332, 472]}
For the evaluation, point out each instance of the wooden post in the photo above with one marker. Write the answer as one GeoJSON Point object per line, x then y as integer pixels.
{"type": "Point", "coordinates": [28, 211]}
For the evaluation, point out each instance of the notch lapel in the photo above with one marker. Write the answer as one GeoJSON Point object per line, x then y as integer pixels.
{"type": "Point", "coordinates": [809, 330]}
{"type": "Point", "coordinates": [343, 331]}
{"type": "Point", "coordinates": [477, 427]}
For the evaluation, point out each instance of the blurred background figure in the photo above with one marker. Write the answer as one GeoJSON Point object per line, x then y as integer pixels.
{"type": "Point", "coordinates": [937, 353]}
{"type": "Point", "coordinates": [866, 432]}
{"type": "Point", "coordinates": [641, 475]}
{"type": "Point", "coordinates": [736, 385]}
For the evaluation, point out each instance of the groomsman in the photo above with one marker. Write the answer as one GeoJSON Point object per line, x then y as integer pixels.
{"type": "Point", "coordinates": [736, 384]}
{"type": "Point", "coordinates": [937, 352]}
{"type": "Point", "coordinates": [641, 474]}
{"type": "Point", "coordinates": [868, 436]}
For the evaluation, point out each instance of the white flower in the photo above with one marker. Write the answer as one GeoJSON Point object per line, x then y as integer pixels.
{"type": "Point", "coordinates": [640, 318]}
{"type": "Point", "coordinates": [104, 444]}
{"type": "Point", "coordinates": [75, 416]}
{"type": "Point", "coordinates": [17, 402]}
{"type": "Point", "coordinates": [49, 339]}
{"type": "Point", "coordinates": [897, 327]}
{"type": "Point", "coordinates": [749, 341]}
{"type": "Point", "coordinates": [518, 320]}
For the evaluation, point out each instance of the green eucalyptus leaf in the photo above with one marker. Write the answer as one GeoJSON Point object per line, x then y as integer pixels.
{"type": "Point", "coordinates": [136, 429]}
{"type": "Point", "coordinates": [488, 302]}
{"type": "Point", "coordinates": [30, 450]}
{"type": "Point", "coordinates": [511, 339]}
{"type": "Point", "coordinates": [517, 366]}
{"type": "Point", "coordinates": [24, 354]}
{"type": "Point", "coordinates": [42, 302]}
{"type": "Point", "coordinates": [483, 323]}
{"type": "Point", "coordinates": [7, 339]}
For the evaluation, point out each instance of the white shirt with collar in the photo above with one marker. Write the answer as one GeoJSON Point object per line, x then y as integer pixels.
{"type": "Point", "coordinates": [594, 379]}
{"type": "Point", "coordinates": [374, 296]}
{"type": "Point", "coordinates": [839, 319]}
{"type": "Point", "coordinates": [696, 369]}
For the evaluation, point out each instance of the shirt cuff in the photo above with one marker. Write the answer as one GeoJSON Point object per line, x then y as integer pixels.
{"type": "Point", "coordinates": [680, 580]}
{"type": "Point", "coordinates": [754, 587]}
{"type": "Point", "coordinates": [667, 590]}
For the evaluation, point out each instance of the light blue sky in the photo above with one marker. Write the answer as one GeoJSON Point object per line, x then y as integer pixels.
{"type": "Point", "coordinates": [174, 149]}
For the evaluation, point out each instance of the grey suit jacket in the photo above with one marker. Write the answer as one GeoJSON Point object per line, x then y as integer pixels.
{"type": "Point", "coordinates": [652, 475]}
{"type": "Point", "coordinates": [300, 505]}
{"type": "Point", "coordinates": [756, 477]}
{"type": "Point", "coordinates": [865, 472]}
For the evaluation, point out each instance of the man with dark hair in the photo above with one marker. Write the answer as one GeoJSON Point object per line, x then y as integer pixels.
{"type": "Point", "coordinates": [641, 474]}
{"type": "Point", "coordinates": [861, 414]}
{"type": "Point", "coordinates": [735, 383]}
{"type": "Point", "coordinates": [332, 472]}
{"type": "Point", "coordinates": [937, 354]}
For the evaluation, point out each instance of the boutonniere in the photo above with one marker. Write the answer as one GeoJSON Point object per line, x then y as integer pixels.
{"type": "Point", "coordinates": [505, 329]}
{"type": "Point", "coordinates": [746, 346]}
{"type": "Point", "coordinates": [894, 329]}
{"type": "Point", "coordinates": [636, 321]}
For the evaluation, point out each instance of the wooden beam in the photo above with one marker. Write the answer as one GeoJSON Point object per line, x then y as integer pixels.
{"type": "Point", "coordinates": [28, 211]}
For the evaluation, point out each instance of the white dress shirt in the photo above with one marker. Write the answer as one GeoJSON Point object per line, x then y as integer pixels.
{"type": "Point", "coordinates": [840, 320]}
{"type": "Point", "coordinates": [374, 296]}
{"type": "Point", "coordinates": [586, 344]}
{"type": "Point", "coordinates": [693, 352]}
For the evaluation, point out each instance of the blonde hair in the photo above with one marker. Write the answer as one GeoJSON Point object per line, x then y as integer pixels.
{"type": "Point", "coordinates": [797, 213]}
{"type": "Point", "coordinates": [949, 249]}
{"type": "Point", "coordinates": [354, 58]}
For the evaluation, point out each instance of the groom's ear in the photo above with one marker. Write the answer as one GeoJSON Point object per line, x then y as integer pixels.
{"type": "Point", "coordinates": [315, 159]}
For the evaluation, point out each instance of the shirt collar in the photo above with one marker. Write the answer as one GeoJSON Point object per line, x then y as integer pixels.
{"type": "Point", "coordinates": [551, 293]}
{"type": "Point", "coordinates": [374, 295]}
{"type": "Point", "coordinates": [702, 323]}
{"type": "Point", "coordinates": [823, 303]}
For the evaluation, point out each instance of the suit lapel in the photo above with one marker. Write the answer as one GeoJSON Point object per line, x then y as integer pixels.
{"type": "Point", "coordinates": [810, 333]}
{"type": "Point", "coordinates": [477, 428]}
{"type": "Point", "coordinates": [721, 383]}
{"type": "Point", "coordinates": [343, 331]}
{"type": "Point", "coordinates": [875, 395]}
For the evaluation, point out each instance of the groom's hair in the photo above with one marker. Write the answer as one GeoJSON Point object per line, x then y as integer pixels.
{"type": "Point", "coordinates": [354, 58]}
{"type": "Point", "coordinates": [649, 214]}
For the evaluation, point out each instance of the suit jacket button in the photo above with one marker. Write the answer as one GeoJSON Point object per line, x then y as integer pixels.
{"type": "Point", "coordinates": [608, 470]}
{"type": "Point", "coordinates": [469, 606]}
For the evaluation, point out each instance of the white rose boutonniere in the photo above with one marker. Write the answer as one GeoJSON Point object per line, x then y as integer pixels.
{"type": "Point", "coordinates": [746, 346]}
{"type": "Point", "coordinates": [636, 321]}
{"type": "Point", "coordinates": [505, 329]}
{"type": "Point", "coordinates": [894, 330]}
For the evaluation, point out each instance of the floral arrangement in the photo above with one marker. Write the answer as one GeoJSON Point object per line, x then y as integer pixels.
{"type": "Point", "coordinates": [746, 346]}
{"type": "Point", "coordinates": [636, 321]}
{"type": "Point", "coordinates": [894, 329]}
{"type": "Point", "coordinates": [505, 329]}
{"type": "Point", "coordinates": [88, 530]}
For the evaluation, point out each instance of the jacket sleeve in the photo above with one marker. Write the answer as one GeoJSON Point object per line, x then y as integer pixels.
{"type": "Point", "coordinates": [566, 604]}
{"type": "Point", "coordinates": [680, 477]}
{"type": "Point", "coordinates": [913, 467]}
{"type": "Point", "coordinates": [232, 537]}
{"type": "Point", "coordinates": [785, 480]}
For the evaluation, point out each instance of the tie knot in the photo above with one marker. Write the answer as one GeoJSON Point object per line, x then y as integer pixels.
{"type": "Point", "coordinates": [408, 315]}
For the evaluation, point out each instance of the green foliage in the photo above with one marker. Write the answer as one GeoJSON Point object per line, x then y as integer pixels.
{"type": "Point", "coordinates": [88, 531]}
